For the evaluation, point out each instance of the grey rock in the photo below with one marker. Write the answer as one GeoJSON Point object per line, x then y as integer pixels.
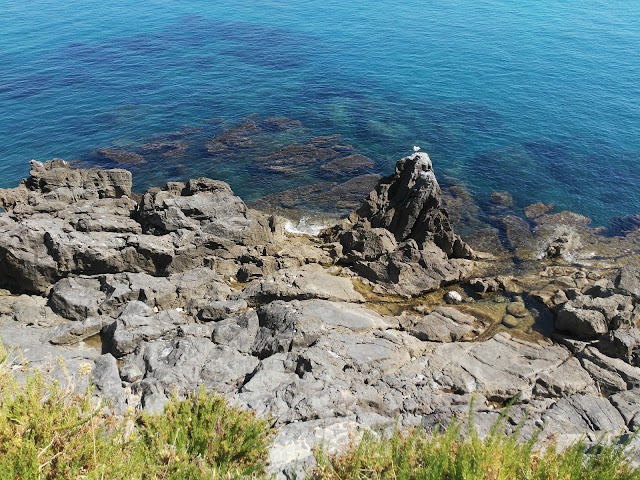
{"type": "Point", "coordinates": [198, 284]}
{"type": "Point", "coordinates": [582, 323]}
{"type": "Point", "coordinates": [629, 374]}
{"type": "Point", "coordinates": [306, 282]}
{"type": "Point", "coordinates": [292, 453]}
{"type": "Point", "coordinates": [484, 285]}
{"type": "Point", "coordinates": [29, 310]}
{"type": "Point", "coordinates": [154, 291]}
{"type": "Point", "coordinates": [445, 324]}
{"type": "Point", "coordinates": [564, 243]}
{"type": "Point", "coordinates": [25, 263]}
{"type": "Point", "coordinates": [131, 373]}
{"type": "Point", "coordinates": [74, 332]}
{"type": "Point", "coordinates": [220, 309]}
{"type": "Point", "coordinates": [206, 205]}
{"type": "Point", "coordinates": [607, 381]}
{"type": "Point", "coordinates": [238, 333]}
{"type": "Point", "coordinates": [623, 344]}
{"type": "Point", "coordinates": [56, 174]}
{"type": "Point", "coordinates": [226, 369]}
{"type": "Point", "coordinates": [130, 331]}
{"type": "Point", "coordinates": [580, 414]}
{"type": "Point", "coordinates": [106, 378]}
{"type": "Point", "coordinates": [408, 204]}
{"type": "Point", "coordinates": [368, 243]}
{"type": "Point", "coordinates": [410, 270]}
{"type": "Point", "coordinates": [568, 378]}
{"type": "Point", "coordinates": [628, 281]}
{"type": "Point", "coordinates": [76, 298]}
{"type": "Point", "coordinates": [500, 368]}
{"type": "Point", "coordinates": [136, 307]}
{"type": "Point", "coordinates": [290, 325]}
{"type": "Point", "coordinates": [628, 404]}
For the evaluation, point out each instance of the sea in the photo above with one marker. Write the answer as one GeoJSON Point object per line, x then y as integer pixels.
{"type": "Point", "coordinates": [540, 99]}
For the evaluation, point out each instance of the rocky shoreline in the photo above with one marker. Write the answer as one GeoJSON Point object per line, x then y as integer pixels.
{"type": "Point", "coordinates": [387, 318]}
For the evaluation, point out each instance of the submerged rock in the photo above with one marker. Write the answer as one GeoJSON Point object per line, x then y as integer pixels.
{"type": "Point", "coordinates": [121, 156]}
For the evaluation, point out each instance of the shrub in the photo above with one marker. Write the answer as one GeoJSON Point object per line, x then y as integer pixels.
{"type": "Point", "coordinates": [450, 455]}
{"type": "Point", "coordinates": [48, 431]}
{"type": "Point", "coordinates": [201, 437]}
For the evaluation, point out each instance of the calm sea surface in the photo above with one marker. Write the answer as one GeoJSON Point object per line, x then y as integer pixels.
{"type": "Point", "coordinates": [538, 98]}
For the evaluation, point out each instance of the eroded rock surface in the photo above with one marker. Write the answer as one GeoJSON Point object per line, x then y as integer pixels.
{"type": "Point", "coordinates": [189, 287]}
{"type": "Point", "coordinates": [401, 235]}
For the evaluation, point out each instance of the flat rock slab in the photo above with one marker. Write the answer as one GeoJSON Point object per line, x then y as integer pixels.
{"type": "Point", "coordinates": [308, 281]}
{"type": "Point", "coordinates": [583, 414]}
{"type": "Point", "coordinates": [445, 324]}
{"type": "Point", "coordinates": [291, 454]}
{"type": "Point", "coordinates": [500, 368]}
{"type": "Point", "coordinates": [290, 325]}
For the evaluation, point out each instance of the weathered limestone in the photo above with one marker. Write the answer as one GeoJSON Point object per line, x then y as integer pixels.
{"type": "Point", "coordinates": [401, 236]}
{"type": "Point", "coordinates": [189, 287]}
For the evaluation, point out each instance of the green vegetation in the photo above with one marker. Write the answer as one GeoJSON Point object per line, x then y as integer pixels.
{"type": "Point", "coordinates": [450, 455]}
{"type": "Point", "coordinates": [49, 432]}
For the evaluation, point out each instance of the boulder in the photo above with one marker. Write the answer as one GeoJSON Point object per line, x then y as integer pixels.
{"type": "Point", "coordinates": [628, 281]}
{"type": "Point", "coordinates": [445, 324]}
{"type": "Point", "coordinates": [74, 332]}
{"type": "Point", "coordinates": [623, 344]}
{"type": "Point", "coordinates": [401, 236]}
{"type": "Point", "coordinates": [628, 404]}
{"type": "Point", "coordinates": [106, 379]}
{"type": "Point", "coordinates": [77, 298]}
{"type": "Point", "coordinates": [208, 206]}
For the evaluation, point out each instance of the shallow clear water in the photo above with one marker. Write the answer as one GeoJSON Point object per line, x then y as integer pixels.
{"type": "Point", "coordinates": [538, 98]}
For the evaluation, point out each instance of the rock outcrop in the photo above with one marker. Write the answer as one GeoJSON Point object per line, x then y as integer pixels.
{"type": "Point", "coordinates": [63, 221]}
{"type": "Point", "coordinates": [189, 287]}
{"type": "Point", "coordinates": [401, 236]}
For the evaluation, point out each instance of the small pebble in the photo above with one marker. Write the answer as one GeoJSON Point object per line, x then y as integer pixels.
{"type": "Point", "coordinates": [453, 297]}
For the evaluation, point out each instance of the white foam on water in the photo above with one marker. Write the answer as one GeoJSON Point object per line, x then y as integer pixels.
{"type": "Point", "coordinates": [303, 227]}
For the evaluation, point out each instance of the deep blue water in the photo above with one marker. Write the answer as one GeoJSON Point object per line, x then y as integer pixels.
{"type": "Point", "coordinates": [538, 98]}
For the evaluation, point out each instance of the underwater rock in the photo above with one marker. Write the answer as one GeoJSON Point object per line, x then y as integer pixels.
{"type": "Point", "coordinates": [121, 156]}
{"type": "Point", "coordinates": [238, 137]}
{"type": "Point", "coordinates": [502, 199]}
{"type": "Point", "coordinates": [348, 165]}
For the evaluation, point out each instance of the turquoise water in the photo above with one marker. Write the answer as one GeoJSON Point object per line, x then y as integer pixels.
{"type": "Point", "coordinates": [538, 98]}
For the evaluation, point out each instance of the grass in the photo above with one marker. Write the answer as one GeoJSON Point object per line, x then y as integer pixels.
{"type": "Point", "coordinates": [453, 455]}
{"type": "Point", "coordinates": [48, 431]}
